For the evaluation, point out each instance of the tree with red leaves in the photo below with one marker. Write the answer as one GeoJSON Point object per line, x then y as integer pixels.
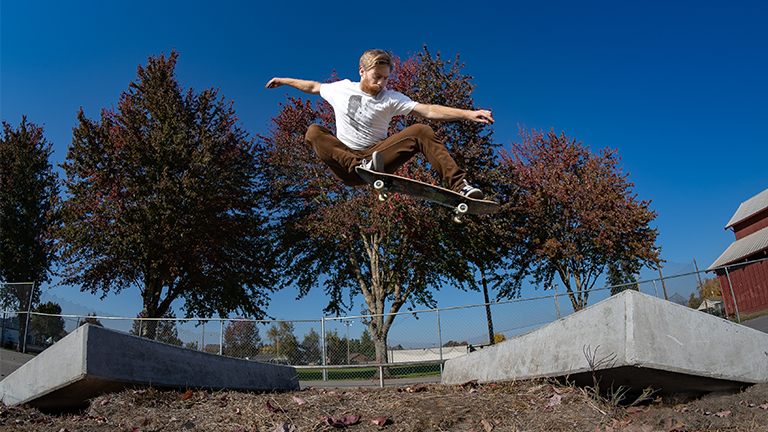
{"type": "Point", "coordinates": [580, 213]}
{"type": "Point", "coordinates": [161, 196]}
{"type": "Point", "coordinates": [393, 253]}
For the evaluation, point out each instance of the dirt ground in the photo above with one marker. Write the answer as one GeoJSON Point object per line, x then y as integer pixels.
{"type": "Point", "coordinates": [517, 406]}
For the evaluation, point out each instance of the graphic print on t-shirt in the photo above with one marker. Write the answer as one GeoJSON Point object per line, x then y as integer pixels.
{"type": "Point", "coordinates": [354, 104]}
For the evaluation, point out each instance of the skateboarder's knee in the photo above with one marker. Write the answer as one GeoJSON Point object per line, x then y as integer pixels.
{"type": "Point", "coordinates": [420, 130]}
{"type": "Point", "coordinates": [314, 130]}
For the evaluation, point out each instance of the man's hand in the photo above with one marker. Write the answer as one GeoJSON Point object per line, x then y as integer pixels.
{"type": "Point", "coordinates": [482, 116]}
{"type": "Point", "coordinates": [311, 87]}
{"type": "Point", "coordinates": [274, 83]}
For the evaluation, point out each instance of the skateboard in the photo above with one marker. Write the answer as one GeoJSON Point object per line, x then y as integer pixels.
{"type": "Point", "coordinates": [385, 184]}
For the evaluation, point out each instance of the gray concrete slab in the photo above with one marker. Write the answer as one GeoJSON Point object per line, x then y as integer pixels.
{"type": "Point", "coordinates": [93, 360]}
{"type": "Point", "coordinates": [650, 343]}
{"type": "Point", "coordinates": [11, 360]}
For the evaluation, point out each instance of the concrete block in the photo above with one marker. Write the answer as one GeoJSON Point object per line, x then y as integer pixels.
{"type": "Point", "coordinates": [93, 360]}
{"type": "Point", "coordinates": [650, 343]}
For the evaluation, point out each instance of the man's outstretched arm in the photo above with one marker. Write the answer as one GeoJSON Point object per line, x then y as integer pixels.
{"type": "Point", "coordinates": [311, 87]}
{"type": "Point", "coordinates": [444, 113]}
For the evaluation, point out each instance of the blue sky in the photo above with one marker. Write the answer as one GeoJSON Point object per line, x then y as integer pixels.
{"type": "Point", "coordinates": [678, 87]}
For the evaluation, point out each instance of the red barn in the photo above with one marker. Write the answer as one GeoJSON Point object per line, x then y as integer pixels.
{"type": "Point", "coordinates": [750, 281]}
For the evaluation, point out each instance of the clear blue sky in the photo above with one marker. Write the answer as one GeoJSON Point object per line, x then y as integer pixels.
{"type": "Point", "coordinates": [679, 87]}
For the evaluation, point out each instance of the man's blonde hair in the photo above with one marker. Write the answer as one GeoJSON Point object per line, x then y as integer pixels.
{"type": "Point", "coordinates": [375, 57]}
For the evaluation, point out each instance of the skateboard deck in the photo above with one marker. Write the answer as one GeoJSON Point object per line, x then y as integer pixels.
{"type": "Point", "coordinates": [388, 183]}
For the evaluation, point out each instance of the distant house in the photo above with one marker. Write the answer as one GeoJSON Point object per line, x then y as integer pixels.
{"type": "Point", "coordinates": [750, 282]}
{"type": "Point", "coordinates": [712, 305]}
{"type": "Point", "coordinates": [357, 358]}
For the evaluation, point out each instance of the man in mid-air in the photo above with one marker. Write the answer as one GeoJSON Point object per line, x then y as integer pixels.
{"type": "Point", "coordinates": [363, 112]}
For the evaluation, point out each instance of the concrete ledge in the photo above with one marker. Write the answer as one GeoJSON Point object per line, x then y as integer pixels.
{"type": "Point", "coordinates": [93, 360]}
{"type": "Point", "coordinates": [656, 344]}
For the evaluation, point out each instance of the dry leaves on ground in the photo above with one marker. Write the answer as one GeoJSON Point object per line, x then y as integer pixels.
{"type": "Point", "coordinates": [495, 407]}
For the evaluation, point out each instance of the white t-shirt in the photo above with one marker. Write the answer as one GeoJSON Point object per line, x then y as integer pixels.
{"type": "Point", "coordinates": [361, 119]}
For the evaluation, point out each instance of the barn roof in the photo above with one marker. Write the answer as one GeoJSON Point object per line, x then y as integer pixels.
{"type": "Point", "coordinates": [751, 244]}
{"type": "Point", "coordinates": [749, 208]}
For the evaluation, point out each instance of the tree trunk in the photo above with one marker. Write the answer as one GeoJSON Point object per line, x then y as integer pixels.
{"type": "Point", "coordinates": [382, 356]}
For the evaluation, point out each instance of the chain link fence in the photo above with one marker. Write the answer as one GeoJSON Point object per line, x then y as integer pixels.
{"type": "Point", "coordinates": [342, 347]}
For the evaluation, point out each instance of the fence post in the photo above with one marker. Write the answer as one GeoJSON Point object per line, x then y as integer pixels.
{"type": "Point", "coordinates": [439, 340]}
{"type": "Point", "coordinates": [730, 285]}
{"type": "Point", "coordinates": [322, 342]}
{"type": "Point", "coordinates": [557, 301]}
{"type": "Point", "coordinates": [221, 338]}
{"type": "Point", "coordinates": [655, 288]}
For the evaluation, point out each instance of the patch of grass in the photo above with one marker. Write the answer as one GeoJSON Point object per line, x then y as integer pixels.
{"type": "Point", "coordinates": [752, 316]}
{"type": "Point", "coordinates": [368, 374]}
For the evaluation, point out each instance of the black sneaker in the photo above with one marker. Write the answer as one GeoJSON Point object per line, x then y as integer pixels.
{"type": "Point", "coordinates": [470, 191]}
{"type": "Point", "coordinates": [375, 164]}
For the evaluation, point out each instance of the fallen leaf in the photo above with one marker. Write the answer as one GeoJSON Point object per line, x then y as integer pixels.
{"type": "Point", "coordinates": [285, 427]}
{"type": "Point", "coordinates": [299, 400]}
{"type": "Point", "coordinates": [380, 421]}
{"type": "Point", "coordinates": [187, 395]}
{"type": "Point", "coordinates": [488, 427]}
{"type": "Point", "coordinates": [104, 402]}
{"type": "Point", "coordinates": [330, 421]}
{"type": "Point", "coordinates": [556, 399]}
{"type": "Point", "coordinates": [723, 414]}
{"type": "Point", "coordinates": [350, 420]}
{"type": "Point", "coordinates": [764, 406]}
{"type": "Point", "coordinates": [271, 408]}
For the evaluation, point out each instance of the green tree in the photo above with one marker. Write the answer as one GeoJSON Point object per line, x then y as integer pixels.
{"type": "Point", "coordinates": [241, 338]}
{"type": "Point", "coordinates": [580, 210]}
{"type": "Point", "coordinates": [161, 196]}
{"type": "Point", "coordinates": [621, 276]}
{"type": "Point", "coordinates": [335, 348]}
{"type": "Point", "coordinates": [48, 326]}
{"type": "Point", "coordinates": [310, 348]}
{"type": "Point", "coordinates": [283, 341]}
{"type": "Point", "coordinates": [164, 330]}
{"type": "Point", "coordinates": [367, 347]}
{"type": "Point", "coordinates": [393, 253]}
{"type": "Point", "coordinates": [29, 189]}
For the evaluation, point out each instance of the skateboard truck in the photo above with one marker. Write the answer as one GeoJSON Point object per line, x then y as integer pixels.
{"type": "Point", "coordinates": [381, 189]}
{"type": "Point", "coordinates": [460, 211]}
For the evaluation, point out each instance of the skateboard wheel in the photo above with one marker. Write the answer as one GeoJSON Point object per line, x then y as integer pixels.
{"type": "Point", "coordinates": [462, 208]}
{"type": "Point", "coordinates": [378, 184]}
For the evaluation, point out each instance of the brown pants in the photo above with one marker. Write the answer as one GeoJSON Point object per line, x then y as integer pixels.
{"type": "Point", "coordinates": [395, 151]}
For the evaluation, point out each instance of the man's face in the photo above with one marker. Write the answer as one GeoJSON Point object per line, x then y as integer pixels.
{"type": "Point", "coordinates": [374, 80]}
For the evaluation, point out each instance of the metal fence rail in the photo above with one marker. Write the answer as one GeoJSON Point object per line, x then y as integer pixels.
{"type": "Point", "coordinates": [419, 342]}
